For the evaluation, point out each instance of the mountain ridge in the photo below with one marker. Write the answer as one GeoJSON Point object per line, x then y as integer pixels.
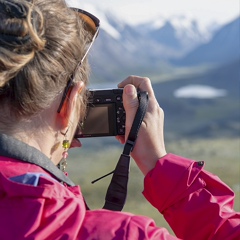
{"type": "Point", "coordinates": [136, 50]}
{"type": "Point", "coordinates": [223, 47]}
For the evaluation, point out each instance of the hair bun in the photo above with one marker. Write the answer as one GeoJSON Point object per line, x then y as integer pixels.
{"type": "Point", "coordinates": [14, 9]}
{"type": "Point", "coordinates": [21, 26]}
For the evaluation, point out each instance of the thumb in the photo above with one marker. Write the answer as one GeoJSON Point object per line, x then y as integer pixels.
{"type": "Point", "coordinates": [130, 103]}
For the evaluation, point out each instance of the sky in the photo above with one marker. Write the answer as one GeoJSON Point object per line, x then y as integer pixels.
{"type": "Point", "coordinates": [136, 11]}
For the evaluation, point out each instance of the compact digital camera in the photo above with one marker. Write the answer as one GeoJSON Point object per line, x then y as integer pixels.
{"type": "Point", "coordinates": [105, 114]}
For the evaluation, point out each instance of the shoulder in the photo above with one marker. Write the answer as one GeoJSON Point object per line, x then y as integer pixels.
{"type": "Point", "coordinates": [12, 167]}
{"type": "Point", "coordinates": [24, 176]}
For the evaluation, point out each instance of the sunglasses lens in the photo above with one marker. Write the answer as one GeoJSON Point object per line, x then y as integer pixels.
{"type": "Point", "coordinates": [90, 25]}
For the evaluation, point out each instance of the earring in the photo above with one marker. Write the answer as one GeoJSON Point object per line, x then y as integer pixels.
{"type": "Point", "coordinates": [66, 146]}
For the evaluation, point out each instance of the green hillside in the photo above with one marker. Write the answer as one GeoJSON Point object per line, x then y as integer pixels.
{"type": "Point", "coordinates": [220, 155]}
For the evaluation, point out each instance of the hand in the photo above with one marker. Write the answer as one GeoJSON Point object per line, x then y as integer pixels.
{"type": "Point", "coordinates": [150, 142]}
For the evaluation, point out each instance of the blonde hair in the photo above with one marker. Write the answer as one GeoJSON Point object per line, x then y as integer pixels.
{"type": "Point", "coordinates": [41, 43]}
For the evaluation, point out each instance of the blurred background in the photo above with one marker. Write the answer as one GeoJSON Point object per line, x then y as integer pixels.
{"type": "Point", "coordinates": [191, 52]}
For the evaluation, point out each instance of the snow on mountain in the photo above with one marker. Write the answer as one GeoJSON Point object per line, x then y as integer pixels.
{"type": "Point", "coordinates": [179, 22]}
{"type": "Point", "coordinates": [168, 38]}
{"type": "Point", "coordinates": [154, 45]}
{"type": "Point", "coordinates": [190, 28]}
{"type": "Point", "coordinates": [222, 48]}
{"type": "Point", "coordinates": [109, 29]}
{"type": "Point", "coordinates": [99, 13]}
{"type": "Point", "coordinates": [181, 32]}
{"type": "Point", "coordinates": [187, 30]}
{"type": "Point", "coordinates": [164, 35]}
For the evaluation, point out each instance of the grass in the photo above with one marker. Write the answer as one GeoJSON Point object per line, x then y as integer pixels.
{"type": "Point", "coordinates": [221, 156]}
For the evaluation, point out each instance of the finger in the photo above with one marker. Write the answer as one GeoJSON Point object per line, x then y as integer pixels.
{"type": "Point", "coordinates": [141, 83]}
{"type": "Point", "coordinates": [130, 102]}
{"type": "Point", "coordinates": [121, 139]}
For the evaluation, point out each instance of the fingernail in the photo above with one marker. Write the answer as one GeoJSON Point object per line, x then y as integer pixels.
{"type": "Point", "coordinates": [130, 90]}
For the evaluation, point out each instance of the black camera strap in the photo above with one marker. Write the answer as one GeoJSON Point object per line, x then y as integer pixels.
{"type": "Point", "coordinates": [117, 191]}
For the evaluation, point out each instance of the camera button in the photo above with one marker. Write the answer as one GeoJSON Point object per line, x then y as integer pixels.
{"type": "Point", "coordinates": [121, 131]}
{"type": "Point", "coordinates": [120, 109]}
{"type": "Point", "coordinates": [108, 100]}
{"type": "Point", "coordinates": [119, 98]}
{"type": "Point", "coordinates": [98, 100]}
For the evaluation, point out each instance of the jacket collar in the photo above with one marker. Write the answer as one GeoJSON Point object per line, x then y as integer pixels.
{"type": "Point", "coordinates": [13, 148]}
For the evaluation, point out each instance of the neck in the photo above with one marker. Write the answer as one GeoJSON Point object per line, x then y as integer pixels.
{"type": "Point", "coordinates": [40, 135]}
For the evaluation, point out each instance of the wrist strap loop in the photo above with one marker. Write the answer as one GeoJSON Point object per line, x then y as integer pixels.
{"type": "Point", "coordinates": [117, 191]}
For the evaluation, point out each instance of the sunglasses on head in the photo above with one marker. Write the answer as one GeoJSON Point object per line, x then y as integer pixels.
{"type": "Point", "coordinates": [91, 24]}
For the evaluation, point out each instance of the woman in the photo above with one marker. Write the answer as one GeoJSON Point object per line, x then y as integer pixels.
{"type": "Point", "coordinates": [43, 78]}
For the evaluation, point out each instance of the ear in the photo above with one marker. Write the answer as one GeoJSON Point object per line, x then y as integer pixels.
{"type": "Point", "coordinates": [69, 105]}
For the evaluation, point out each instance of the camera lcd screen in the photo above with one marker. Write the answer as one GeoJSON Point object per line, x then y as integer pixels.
{"type": "Point", "coordinates": [98, 121]}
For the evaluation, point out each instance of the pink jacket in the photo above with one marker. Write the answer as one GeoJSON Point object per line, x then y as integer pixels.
{"type": "Point", "coordinates": [196, 204]}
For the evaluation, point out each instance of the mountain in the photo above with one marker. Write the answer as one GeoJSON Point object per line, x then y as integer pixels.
{"type": "Point", "coordinates": [181, 33]}
{"type": "Point", "coordinates": [122, 49]}
{"type": "Point", "coordinates": [157, 46]}
{"type": "Point", "coordinates": [223, 47]}
{"type": "Point", "coordinates": [166, 45]}
{"type": "Point", "coordinates": [112, 59]}
{"type": "Point", "coordinates": [160, 47]}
